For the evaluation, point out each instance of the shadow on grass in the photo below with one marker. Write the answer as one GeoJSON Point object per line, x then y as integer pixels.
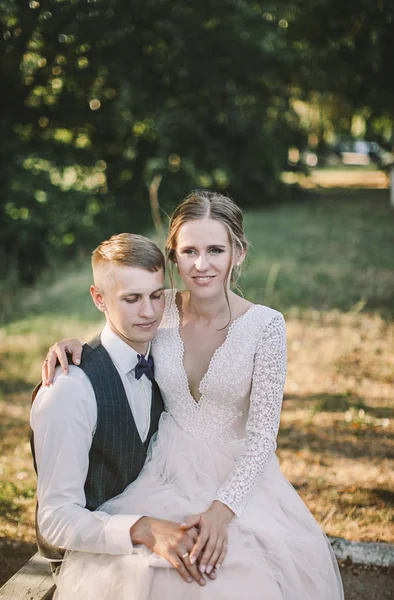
{"type": "Point", "coordinates": [9, 508]}
{"type": "Point", "coordinates": [14, 430]}
{"type": "Point", "coordinates": [14, 385]}
{"type": "Point", "coordinates": [385, 496]}
{"type": "Point", "coordinates": [349, 496]}
{"type": "Point", "coordinates": [13, 554]}
{"type": "Point", "coordinates": [348, 442]}
{"type": "Point", "coordinates": [340, 403]}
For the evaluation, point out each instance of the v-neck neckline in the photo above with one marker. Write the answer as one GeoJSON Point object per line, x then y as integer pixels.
{"type": "Point", "coordinates": [213, 358]}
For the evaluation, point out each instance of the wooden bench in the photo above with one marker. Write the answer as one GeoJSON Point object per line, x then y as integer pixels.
{"type": "Point", "coordinates": [33, 581]}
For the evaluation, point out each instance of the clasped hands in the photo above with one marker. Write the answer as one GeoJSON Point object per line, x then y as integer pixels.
{"type": "Point", "coordinates": [196, 547]}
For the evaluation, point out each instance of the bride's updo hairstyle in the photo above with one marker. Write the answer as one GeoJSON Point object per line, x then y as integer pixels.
{"type": "Point", "coordinates": [201, 204]}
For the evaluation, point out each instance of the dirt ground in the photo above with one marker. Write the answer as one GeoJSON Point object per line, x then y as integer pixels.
{"type": "Point", "coordinates": [367, 583]}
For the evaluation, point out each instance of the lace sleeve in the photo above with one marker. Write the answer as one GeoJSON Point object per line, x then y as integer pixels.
{"type": "Point", "coordinates": [269, 374]}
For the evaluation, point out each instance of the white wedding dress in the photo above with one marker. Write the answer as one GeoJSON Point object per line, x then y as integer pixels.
{"type": "Point", "coordinates": [222, 447]}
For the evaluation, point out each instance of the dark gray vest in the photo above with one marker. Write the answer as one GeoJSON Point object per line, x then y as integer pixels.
{"type": "Point", "coordinates": [117, 454]}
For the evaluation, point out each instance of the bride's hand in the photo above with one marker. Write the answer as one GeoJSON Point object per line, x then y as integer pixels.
{"type": "Point", "coordinates": [58, 352]}
{"type": "Point", "coordinates": [212, 539]}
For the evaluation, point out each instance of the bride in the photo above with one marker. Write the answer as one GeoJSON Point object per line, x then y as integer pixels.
{"type": "Point", "coordinates": [220, 362]}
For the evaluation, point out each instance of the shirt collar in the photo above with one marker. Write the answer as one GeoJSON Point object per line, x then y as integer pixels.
{"type": "Point", "coordinates": [123, 355]}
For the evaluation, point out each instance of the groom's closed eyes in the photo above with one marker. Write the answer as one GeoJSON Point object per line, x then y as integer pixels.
{"type": "Point", "coordinates": [132, 298]}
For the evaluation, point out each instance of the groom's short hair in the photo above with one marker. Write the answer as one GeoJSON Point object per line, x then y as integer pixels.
{"type": "Point", "coordinates": [128, 250]}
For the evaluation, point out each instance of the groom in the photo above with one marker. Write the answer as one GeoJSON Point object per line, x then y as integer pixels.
{"type": "Point", "coordinates": [91, 429]}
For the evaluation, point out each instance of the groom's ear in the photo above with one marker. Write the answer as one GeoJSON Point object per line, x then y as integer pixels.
{"type": "Point", "coordinates": [98, 297]}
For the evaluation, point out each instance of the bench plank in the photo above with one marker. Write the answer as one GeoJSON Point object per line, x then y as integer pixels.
{"type": "Point", "coordinates": [33, 581]}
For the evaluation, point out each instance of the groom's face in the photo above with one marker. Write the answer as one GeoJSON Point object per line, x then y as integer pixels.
{"type": "Point", "coordinates": [133, 302]}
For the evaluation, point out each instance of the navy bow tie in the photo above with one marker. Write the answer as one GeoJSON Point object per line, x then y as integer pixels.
{"type": "Point", "coordinates": [144, 367]}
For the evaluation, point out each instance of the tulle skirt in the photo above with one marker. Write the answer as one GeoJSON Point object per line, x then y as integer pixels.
{"type": "Point", "coordinates": [276, 549]}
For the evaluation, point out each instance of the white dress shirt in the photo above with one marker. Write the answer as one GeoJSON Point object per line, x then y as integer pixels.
{"type": "Point", "coordinates": [63, 418]}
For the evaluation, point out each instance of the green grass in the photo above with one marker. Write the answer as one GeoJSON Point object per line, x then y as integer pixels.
{"type": "Point", "coordinates": [332, 252]}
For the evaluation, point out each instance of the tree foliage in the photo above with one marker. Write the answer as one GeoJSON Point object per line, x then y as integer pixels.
{"type": "Point", "coordinates": [101, 95]}
{"type": "Point", "coordinates": [348, 49]}
{"type": "Point", "coordinates": [345, 52]}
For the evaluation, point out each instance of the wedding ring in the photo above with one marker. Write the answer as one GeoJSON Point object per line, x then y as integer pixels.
{"type": "Point", "coordinates": [185, 555]}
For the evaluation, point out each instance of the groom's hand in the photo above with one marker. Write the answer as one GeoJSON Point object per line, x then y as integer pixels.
{"type": "Point", "coordinates": [168, 540]}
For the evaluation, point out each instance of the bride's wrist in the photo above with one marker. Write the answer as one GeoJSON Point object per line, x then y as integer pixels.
{"type": "Point", "coordinates": [225, 512]}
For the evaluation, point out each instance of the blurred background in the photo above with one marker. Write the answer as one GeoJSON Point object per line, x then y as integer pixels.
{"type": "Point", "coordinates": [110, 108]}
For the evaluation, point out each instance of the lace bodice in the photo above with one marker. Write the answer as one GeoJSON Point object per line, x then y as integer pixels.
{"type": "Point", "coordinates": [241, 393]}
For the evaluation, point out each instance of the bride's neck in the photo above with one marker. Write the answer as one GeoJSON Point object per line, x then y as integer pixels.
{"type": "Point", "coordinates": [207, 309]}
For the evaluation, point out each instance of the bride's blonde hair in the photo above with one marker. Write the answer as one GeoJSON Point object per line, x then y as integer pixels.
{"type": "Point", "coordinates": [201, 204]}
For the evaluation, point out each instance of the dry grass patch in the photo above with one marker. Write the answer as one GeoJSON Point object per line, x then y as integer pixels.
{"type": "Point", "coordinates": [336, 443]}
{"type": "Point", "coordinates": [22, 349]}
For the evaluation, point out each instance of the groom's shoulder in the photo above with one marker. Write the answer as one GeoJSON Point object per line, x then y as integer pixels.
{"type": "Point", "coordinates": [78, 382]}
{"type": "Point", "coordinates": [91, 349]}
{"type": "Point", "coordinates": [68, 392]}
{"type": "Point", "coordinates": [76, 378]}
